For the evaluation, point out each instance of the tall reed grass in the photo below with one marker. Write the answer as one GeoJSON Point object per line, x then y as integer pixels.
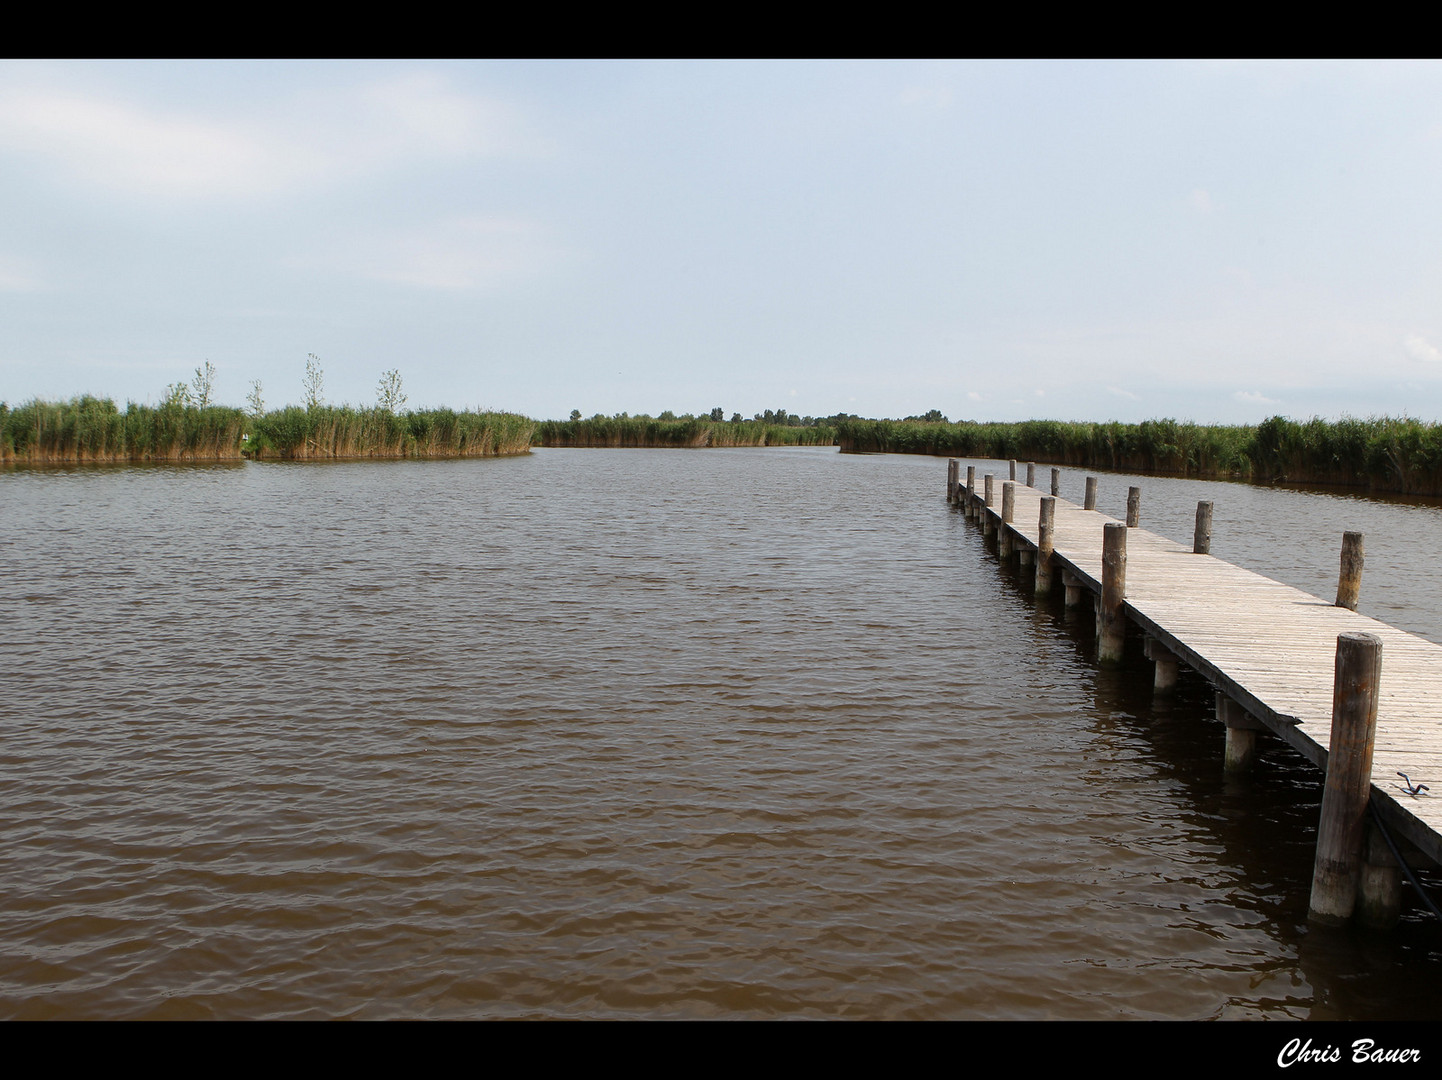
{"type": "Point", "coordinates": [1380, 453]}
{"type": "Point", "coordinates": [637, 431]}
{"type": "Point", "coordinates": [343, 432]}
{"type": "Point", "coordinates": [89, 429]}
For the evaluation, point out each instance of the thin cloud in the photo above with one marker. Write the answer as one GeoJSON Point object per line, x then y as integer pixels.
{"type": "Point", "coordinates": [937, 97]}
{"type": "Point", "coordinates": [16, 276]}
{"type": "Point", "coordinates": [1119, 392]}
{"type": "Point", "coordinates": [1419, 348]}
{"type": "Point", "coordinates": [472, 253]}
{"type": "Point", "coordinates": [1252, 397]}
{"type": "Point", "coordinates": [314, 140]}
{"type": "Point", "coordinates": [115, 144]}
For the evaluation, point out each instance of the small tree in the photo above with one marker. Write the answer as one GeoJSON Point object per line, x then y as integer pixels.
{"type": "Point", "coordinates": [575, 415]}
{"type": "Point", "coordinates": [314, 382]}
{"type": "Point", "coordinates": [717, 415]}
{"type": "Point", "coordinates": [388, 392]}
{"type": "Point", "coordinates": [255, 401]}
{"type": "Point", "coordinates": [177, 395]}
{"type": "Point", "coordinates": [203, 385]}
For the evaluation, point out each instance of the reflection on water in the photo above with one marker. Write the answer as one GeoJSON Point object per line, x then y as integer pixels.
{"type": "Point", "coordinates": [661, 733]}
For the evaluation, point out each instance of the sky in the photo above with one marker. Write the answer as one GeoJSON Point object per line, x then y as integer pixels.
{"type": "Point", "coordinates": [1207, 241]}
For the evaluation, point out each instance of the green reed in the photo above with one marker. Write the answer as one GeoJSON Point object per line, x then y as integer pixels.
{"type": "Point", "coordinates": [89, 429]}
{"type": "Point", "coordinates": [641, 431]}
{"type": "Point", "coordinates": [1380, 453]}
{"type": "Point", "coordinates": [93, 429]}
{"type": "Point", "coordinates": [340, 431]}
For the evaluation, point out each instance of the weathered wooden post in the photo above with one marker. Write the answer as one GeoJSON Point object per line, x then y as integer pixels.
{"type": "Point", "coordinates": [1013, 471]}
{"type": "Point", "coordinates": [1008, 515]}
{"type": "Point", "coordinates": [1134, 507]}
{"type": "Point", "coordinates": [1045, 528]}
{"type": "Point", "coordinates": [1349, 582]}
{"type": "Point", "coordinates": [1164, 677]}
{"type": "Point", "coordinates": [970, 490]}
{"type": "Point", "coordinates": [1056, 481]}
{"type": "Point", "coordinates": [1031, 474]}
{"type": "Point", "coordinates": [1348, 786]}
{"type": "Point", "coordinates": [1091, 497]}
{"type": "Point", "coordinates": [1112, 631]}
{"type": "Point", "coordinates": [1242, 730]}
{"type": "Point", "coordinates": [1202, 537]}
{"type": "Point", "coordinates": [953, 473]}
{"type": "Point", "coordinates": [986, 523]}
{"type": "Point", "coordinates": [1379, 896]}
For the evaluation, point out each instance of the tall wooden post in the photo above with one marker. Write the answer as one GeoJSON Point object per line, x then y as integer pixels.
{"type": "Point", "coordinates": [1045, 529]}
{"type": "Point", "coordinates": [1202, 537]}
{"type": "Point", "coordinates": [970, 490]}
{"type": "Point", "coordinates": [1349, 582]}
{"type": "Point", "coordinates": [986, 522]}
{"type": "Point", "coordinates": [1056, 481]}
{"type": "Point", "coordinates": [1134, 507]}
{"type": "Point", "coordinates": [1112, 635]}
{"type": "Point", "coordinates": [1031, 474]}
{"type": "Point", "coordinates": [953, 471]}
{"type": "Point", "coordinates": [1008, 515]}
{"type": "Point", "coordinates": [1091, 496]}
{"type": "Point", "coordinates": [1349, 777]}
{"type": "Point", "coordinates": [1013, 471]}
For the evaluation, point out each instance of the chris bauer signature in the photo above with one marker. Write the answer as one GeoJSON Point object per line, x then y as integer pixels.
{"type": "Point", "coordinates": [1364, 1052]}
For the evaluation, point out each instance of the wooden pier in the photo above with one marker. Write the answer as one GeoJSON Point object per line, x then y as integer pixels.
{"type": "Point", "coordinates": [1271, 652]}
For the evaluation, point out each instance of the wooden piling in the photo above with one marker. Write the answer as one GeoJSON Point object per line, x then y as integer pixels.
{"type": "Point", "coordinates": [1013, 471]}
{"type": "Point", "coordinates": [1008, 515]}
{"type": "Point", "coordinates": [1134, 507]}
{"type": "Point", "coordinates": [1091, 495]}
{"type": "Point", "coordinates": [1379, 893]}
{"type": "Point", "coordinates": [1340, 833]}
{"type": "Point", "coordinates": [953, 472]}
{"type": "Point", "coordinates": [986, 522]}
{"type": "Point", "coordinates": [1112, 636]}
{"type": "Point", "coordinates": [1202, 536]}
{"type": "Point", "coordinates": [1073, 589]}
{"type": "Point", "coordinates": [1164, 675]}
{"type": "Point", "coordinates": [1056, 481]}
{"type": "Point", "coordinates": [1349, 581]}
{"type": "Point", "coordinates": [1031, 474]}
{"type": "Point", "coordinates": [1242, 730]}
{"type": "Point", "coordinates": [1045, 537]}
{"type": "Point", "coordinates": [970, 490]}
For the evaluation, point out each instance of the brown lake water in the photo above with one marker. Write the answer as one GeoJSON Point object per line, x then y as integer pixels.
{"type": "Point", "coordinates": [589, 733]}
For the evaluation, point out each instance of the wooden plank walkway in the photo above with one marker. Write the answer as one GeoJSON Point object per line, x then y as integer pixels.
{"type": "Point", "coordinates": [1269, 647]}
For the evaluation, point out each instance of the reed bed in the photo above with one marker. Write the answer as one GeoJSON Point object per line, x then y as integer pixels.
{"type": "Point", "coordinates": [89, 429]}
{"type": "Point", "coordinates": [333, 432]}
{"type": "Point", "coordinates": [641, 431]}
{"type": "Point", "coordinates": [1381, 454]}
